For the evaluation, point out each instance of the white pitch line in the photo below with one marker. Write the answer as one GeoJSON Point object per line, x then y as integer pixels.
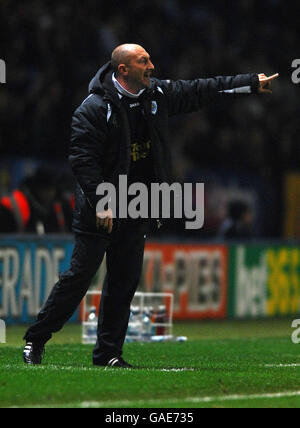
{"type": "Point", "coordinates": [87, 369]}
{"type": "Point", "coordinates": [195, 400]}
{"type": "Point", "coordinates": [180, 401]}
{"type": "Point", "coordinates": [281, 365]}
{"type": "Point", "coordinates": [93, 369]}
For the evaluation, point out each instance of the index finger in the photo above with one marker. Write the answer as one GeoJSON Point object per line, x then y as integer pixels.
{"type": "Point", "coordinates": [273, 77]}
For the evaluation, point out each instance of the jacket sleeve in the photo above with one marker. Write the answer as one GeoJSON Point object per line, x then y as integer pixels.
{"type": "Point", "coordinates": [187, 96]}
{"type": "Point", "coordinates": [88, 137]}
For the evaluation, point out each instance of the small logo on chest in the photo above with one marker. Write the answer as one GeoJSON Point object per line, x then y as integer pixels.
{"type": "Point", "coordinates": [134, 105]}
{"type": "Point", "coordinates": [154, 107]}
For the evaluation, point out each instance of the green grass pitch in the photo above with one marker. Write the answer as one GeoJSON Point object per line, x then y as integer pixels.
{"type": "Point", "coordinates": [223, 364]}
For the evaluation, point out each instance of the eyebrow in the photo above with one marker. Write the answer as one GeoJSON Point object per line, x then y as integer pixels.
{"type": "Point", "coordinates": [145, 57]}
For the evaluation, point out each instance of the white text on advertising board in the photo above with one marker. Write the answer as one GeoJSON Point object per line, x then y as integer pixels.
{"type": "Point", "coordinates": [26, 272]}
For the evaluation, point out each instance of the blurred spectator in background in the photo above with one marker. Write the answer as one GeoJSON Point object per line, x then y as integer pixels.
{"type": "Point", "coordinates": [46, 77]}
{"type": "Point", "coordinates": [36, 207]}
{"type": "Point", "coordinates": [238, 223]}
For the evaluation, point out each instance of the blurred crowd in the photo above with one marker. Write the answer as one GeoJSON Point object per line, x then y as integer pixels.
{"type": "Point", "coordinates": [41, 204]}
{"type": "Point", "coordinates": [53, 48]}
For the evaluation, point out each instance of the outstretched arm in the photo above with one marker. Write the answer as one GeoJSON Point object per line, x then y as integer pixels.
{"type": "Point", "coordinates": [186, 96]}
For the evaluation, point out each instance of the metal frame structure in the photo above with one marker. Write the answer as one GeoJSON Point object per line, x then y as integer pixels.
{"type": "Point", "coordinates": [141, 336]}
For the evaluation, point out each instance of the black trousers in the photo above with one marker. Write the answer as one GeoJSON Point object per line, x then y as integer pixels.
{"type": "Point", "coordinates": [124, 258]}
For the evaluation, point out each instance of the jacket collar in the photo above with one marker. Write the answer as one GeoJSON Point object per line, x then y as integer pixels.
{"type": "Point", "coordinates": [103, 84]}
{"type": "Point", "coordinates": [123, 92]}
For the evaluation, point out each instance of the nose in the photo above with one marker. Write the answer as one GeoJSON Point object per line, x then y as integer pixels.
{"type": "Point", "coordinates": [151, 66]}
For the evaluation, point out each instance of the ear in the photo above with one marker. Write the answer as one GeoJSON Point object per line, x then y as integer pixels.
{"type": "Point", "coordinates": [123, 69]}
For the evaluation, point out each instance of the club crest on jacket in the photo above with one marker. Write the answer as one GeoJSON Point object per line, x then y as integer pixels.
{"type": "Point", "coordinates": [154, 107]}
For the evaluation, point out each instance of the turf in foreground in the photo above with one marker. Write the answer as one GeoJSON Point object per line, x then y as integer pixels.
{"type": "Point", "coordinates": [248, 370]}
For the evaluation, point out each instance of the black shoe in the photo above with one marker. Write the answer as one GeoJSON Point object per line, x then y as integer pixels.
{"type": "Point", "coordinates": [116, 362]}
{"type": "Point", "coordinates": [33, 353]}
{"type": "Point", "coordinates": [119, 362]}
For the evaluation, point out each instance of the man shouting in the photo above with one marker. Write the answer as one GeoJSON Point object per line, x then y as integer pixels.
{"type": "Point", "coordinates": [120, 129]}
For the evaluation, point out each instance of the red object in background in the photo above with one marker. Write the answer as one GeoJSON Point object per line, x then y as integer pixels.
{"type": "Point", "coordinates": [203, 267]}
{"type": "Point", "coordinates": [17, 203]}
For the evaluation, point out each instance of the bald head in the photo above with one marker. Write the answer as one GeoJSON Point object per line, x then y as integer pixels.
{"type": "Point", "coordinates": [123, 54]}
{"type": "Point", "coordinates": [132, 67]}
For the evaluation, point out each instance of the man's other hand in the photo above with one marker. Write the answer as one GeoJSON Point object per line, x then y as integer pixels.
{"type": "Point", "coordinates": [104, 219]}
{"type": "Point", "coordinates": [265, 83]}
